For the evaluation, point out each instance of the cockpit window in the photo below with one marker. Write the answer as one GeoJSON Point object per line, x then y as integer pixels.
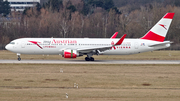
{"type": "Point", "coordinates": [12, 43]}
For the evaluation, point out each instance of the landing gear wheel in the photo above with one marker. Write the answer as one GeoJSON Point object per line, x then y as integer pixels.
{"type": "Point", "coordinates": [87, 59]}
{"type": "Point", "coordinates": [19, 59]}
{"type": "Point", "coordinates": [92, 59]}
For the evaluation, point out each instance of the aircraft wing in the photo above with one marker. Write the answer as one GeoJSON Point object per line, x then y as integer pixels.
{"type": "Point", "coordinates": [160, 44]}
{"type": "Point", "coordinates": [102, 48]}
{"type": "Point", "coordinates": [86, 50]}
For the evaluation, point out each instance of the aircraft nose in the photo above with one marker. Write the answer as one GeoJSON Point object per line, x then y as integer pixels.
{"type": "Point", "coordinates": [7, 47]}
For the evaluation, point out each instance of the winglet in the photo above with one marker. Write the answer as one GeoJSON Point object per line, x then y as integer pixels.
{"type": "Point", "coordinates": [121, 40]}
{"type": "Point", "coordinates": [114, 35]}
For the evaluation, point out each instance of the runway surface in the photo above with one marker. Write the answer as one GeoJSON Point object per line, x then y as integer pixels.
{"type": "Point", "coordinates": [91, 62]}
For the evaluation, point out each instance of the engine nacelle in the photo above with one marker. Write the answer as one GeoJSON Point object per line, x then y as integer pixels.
{"type": "Point", "coordinates": [70, 53]}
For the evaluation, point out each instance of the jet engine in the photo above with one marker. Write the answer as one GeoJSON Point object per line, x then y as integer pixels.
{"type": "Point", "coordinates": [70, 53]}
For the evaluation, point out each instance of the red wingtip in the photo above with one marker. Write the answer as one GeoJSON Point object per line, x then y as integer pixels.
{"type": "Point", "coordinates": [114, 36]}
{"type": "Point", "coordinates": [169, 16]}
{"type": "Point", "coordinates": [121, 40]}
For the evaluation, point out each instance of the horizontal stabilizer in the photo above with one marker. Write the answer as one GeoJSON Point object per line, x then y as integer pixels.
{"type": "Point", "coordinates": [160, 44]}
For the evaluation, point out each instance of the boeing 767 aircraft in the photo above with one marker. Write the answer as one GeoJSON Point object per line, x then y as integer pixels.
{"type": "Point", "coordinates": [75, 47]}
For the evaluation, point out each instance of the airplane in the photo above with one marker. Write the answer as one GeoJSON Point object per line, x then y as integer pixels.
{"type": "Point", "coordinates": [76, 47]}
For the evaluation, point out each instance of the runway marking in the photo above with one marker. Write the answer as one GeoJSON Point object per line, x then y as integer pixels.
{"type": "Point", "coordinates": [91, 62]}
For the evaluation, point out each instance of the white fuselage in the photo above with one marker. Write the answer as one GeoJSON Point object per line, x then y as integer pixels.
{"type": "Point", "coordinates": [53, 46]}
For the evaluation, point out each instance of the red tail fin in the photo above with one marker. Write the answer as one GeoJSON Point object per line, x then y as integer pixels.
{"type": "Point", "coordinates": [159, 31]}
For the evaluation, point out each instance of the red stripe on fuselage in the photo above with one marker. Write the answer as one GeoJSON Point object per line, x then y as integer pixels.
{"type": "Point", "coordinates": [169, 16]}
{"type": "Point", "coordinates": [153, 36]}
{"type": "Point", "coordinates": [34, 42]}
{"type": "Point", "coordinates": [39, 46]}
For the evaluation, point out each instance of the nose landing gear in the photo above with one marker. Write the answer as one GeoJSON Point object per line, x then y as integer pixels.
{"type": "Point", "coordinates": [19, 58]}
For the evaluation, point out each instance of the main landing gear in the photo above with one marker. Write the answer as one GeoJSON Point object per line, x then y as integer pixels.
{"type": "Point", "coordinates": [19, 58]}
{"type": "Point", "coordinates": [89, 57]}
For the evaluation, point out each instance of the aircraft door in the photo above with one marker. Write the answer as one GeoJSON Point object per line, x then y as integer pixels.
{"type": "Point", "coordinates": [136, 45]}
{"type": "Point", "coordinates": [23, 44]}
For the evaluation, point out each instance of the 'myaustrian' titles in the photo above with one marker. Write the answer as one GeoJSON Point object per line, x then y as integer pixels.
{"type": "Point", "coordinates": [63, 41]}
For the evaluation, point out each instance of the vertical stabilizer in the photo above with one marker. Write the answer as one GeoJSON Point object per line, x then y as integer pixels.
{"type": "Point", "coordinates": [158, 32]}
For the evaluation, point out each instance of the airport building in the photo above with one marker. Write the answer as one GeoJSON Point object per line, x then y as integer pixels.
{"type": "Point", "coordinates": [20, 5]}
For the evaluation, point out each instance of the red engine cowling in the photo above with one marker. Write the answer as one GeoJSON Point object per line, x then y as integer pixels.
{"type": "Point", "coordinates": [70, 54]}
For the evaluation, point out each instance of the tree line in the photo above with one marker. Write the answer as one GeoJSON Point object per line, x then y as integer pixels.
{"type": "Point", "coordinates": [91, 18]}
{"type": "Point", "coordinates": [4, 8]}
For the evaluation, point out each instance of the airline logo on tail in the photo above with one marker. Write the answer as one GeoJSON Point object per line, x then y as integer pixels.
{"type": "Point", "coordinates": [157, 33]}
{"type": "Point", "coordinates": [163, 26]}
